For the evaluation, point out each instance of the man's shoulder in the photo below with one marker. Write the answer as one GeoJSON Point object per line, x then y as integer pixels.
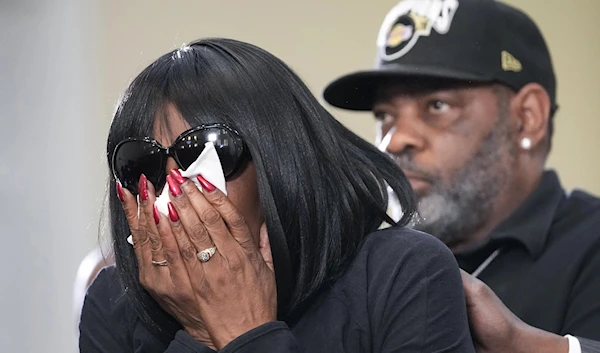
{"type": "Point", "coordinates": [584, 201]}
{"type": "Point", "coordinates": [579, 217]}
{"type": "Point", "coordinates": [574, 235]}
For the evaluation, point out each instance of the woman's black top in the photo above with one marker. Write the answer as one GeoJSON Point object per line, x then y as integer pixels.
{"type": "Point", "coordinates": [402, 293]}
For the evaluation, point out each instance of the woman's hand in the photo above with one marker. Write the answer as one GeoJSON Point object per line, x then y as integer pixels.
{"type": "Point", "coordinates": [215, 301]}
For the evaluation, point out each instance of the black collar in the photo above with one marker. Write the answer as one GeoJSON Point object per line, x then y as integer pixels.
{"type": "Point", "coordinates": [530, 224]}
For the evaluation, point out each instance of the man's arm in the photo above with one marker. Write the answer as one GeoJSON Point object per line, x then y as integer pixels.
{"type": "Point", "coordinates": [497, 329]}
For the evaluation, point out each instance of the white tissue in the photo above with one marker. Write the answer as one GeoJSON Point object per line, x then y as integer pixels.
{"type": "Point", "coordinates": [208, 165]}
{"type": "Point", "coordinates": [394, 207]}
{"type": "Point", "coordinates": [383, 143]}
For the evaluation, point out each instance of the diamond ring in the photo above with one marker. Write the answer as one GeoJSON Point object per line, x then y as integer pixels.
{"type": "Point", "coordinates": [206, 254]}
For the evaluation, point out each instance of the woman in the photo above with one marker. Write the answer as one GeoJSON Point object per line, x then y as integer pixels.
{"type": "Point", "coordinates": [291, 260]}
{"type": "Point", "coordinates": [88, 269]}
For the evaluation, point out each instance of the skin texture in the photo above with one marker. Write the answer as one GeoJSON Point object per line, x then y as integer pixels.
{"type": "Point", "coordinates": [460, 147]}
{"type": "Point", "coordinates": [459, 144]}
{"type": "Point", "coordinates": [242, 188]}
{"type": "Point", "coordinates": [496, 329]}
{"type": "Point", "coordinates": [232, 293]}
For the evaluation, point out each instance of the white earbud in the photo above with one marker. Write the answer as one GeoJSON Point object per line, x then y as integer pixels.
{"type": "Point", "coordinates": [526, 143]}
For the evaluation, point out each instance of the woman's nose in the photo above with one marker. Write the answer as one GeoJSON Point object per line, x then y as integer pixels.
{"type": "Point", "coordinates": [171, 164]}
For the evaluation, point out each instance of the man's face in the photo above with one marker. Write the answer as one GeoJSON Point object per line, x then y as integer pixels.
{"type": "Point", "coordinates": [455, 145]}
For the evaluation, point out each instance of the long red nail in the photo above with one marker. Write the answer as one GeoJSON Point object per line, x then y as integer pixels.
{"type": "Point", "coordinates": [175, 174]}
{"type": "Point", "coordinates": [172, 213]}
{"type": "Point", "coordinates": [120, 192]}
{"type": "Point", "coordinates": [143, 188]}
{"type": "Point", "coordinates": [156, 215]}
{"type": "Point", "coordinates": [205, 184]}
{"type": "Point", "coordinates": [173, 186]}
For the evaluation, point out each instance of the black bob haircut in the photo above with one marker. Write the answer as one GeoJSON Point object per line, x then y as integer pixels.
{"type": "Point", "coordinates": [323, 188]}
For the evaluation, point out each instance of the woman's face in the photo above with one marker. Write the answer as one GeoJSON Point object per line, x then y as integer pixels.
{"type": "Point", "coordinates": [242, 189]}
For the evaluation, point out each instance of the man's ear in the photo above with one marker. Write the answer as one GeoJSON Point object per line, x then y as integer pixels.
{"type": "Point", "coordinates": [531, 106]}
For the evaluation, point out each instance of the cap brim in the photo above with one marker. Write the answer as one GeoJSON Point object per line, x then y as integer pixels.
{"type": "Point", "coordinates": [356, 91]}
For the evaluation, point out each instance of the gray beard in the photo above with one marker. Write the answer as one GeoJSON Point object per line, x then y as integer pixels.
{"type": "Point", "coordinates": [454, 209]}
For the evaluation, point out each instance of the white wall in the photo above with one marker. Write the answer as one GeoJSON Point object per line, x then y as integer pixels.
{"type": "Point", "coordinates": [322, 39]}
{"type": "Point", "coordinates": [64, 63]}
{"type": "Point", "coordinates": [571, 30]}
{"type": "Point", "coordinates": [51, 176]}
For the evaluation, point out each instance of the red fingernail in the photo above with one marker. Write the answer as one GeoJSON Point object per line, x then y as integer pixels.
{"type": "Point", "coordinates": [205, 184]}
{"type": "Point", "coordinates": [172, 213]}
{"type": "Point", "coordinates": [143, 188]}
{"type": "Point", "coordinates": [175, 174]}
{"type": "Point", "coordinates": [120, 192]}
{"type": "Point", "coordinates": [156, 215]}
{"type": "Point", "coordinates": [173, 186]}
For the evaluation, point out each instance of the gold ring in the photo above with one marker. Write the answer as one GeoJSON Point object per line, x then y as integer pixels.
{"type": "Point", "coordinates": [160, 263]}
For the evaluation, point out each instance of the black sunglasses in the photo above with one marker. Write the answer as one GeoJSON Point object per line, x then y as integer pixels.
{"type": "Point", "coordinates": [136, 156]}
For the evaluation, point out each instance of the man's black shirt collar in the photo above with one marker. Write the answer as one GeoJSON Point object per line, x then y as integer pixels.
{"type": "Point", "coordinates": [528, 226]}
{"type": "Point", "coordinates": [530, 223]}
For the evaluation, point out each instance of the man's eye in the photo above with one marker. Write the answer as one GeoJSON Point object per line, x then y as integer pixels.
{"type": "Point", "coordinates": [438, 106]}
{"type": "Point", "coordinates": [384, 117]}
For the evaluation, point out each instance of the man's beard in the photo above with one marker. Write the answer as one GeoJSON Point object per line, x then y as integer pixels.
{"type": "Point", "coordinates": [452, 210]}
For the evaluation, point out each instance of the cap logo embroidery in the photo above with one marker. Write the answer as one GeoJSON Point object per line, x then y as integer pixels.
{"type": "Point", "coordinates": [510, 63]}
{"type": "Point", "coordinates": [411, 19]}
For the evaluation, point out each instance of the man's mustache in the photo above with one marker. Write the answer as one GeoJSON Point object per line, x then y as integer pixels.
{"type": "Point", "coordinates": [404, 160]}
{"type": "Point", "coordinates": [408, 166]}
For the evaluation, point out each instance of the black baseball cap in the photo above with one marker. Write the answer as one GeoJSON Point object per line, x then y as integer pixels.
{"type": "Point", "coordinates": [482, 41]}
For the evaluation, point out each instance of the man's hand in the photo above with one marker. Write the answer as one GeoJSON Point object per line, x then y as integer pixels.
{"type": "Point", "coordinates": [497, 329]}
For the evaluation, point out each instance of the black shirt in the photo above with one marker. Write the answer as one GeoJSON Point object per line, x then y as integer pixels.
{"type": "Point", "coordinates": [548, 268]}
{"type": "Point", "coordinates": [402, 293]}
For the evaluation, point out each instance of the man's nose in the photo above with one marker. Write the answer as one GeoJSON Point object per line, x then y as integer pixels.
{"type": "Point", "coordinates": [405, 136]}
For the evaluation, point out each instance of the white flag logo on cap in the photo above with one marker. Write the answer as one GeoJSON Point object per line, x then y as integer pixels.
{"type": "Point", "coordinates": [411, 19]}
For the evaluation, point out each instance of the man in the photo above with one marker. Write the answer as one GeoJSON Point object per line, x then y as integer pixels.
{"type": "Point", "coordinates": [464, 94]}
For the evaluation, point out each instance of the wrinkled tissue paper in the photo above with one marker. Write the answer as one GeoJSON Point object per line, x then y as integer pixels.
{"type": "Point", "coordinates": [208, 165]}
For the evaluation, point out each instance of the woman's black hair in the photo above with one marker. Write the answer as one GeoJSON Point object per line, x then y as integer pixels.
{"type": "Point", "coordinates": [323, 189]}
